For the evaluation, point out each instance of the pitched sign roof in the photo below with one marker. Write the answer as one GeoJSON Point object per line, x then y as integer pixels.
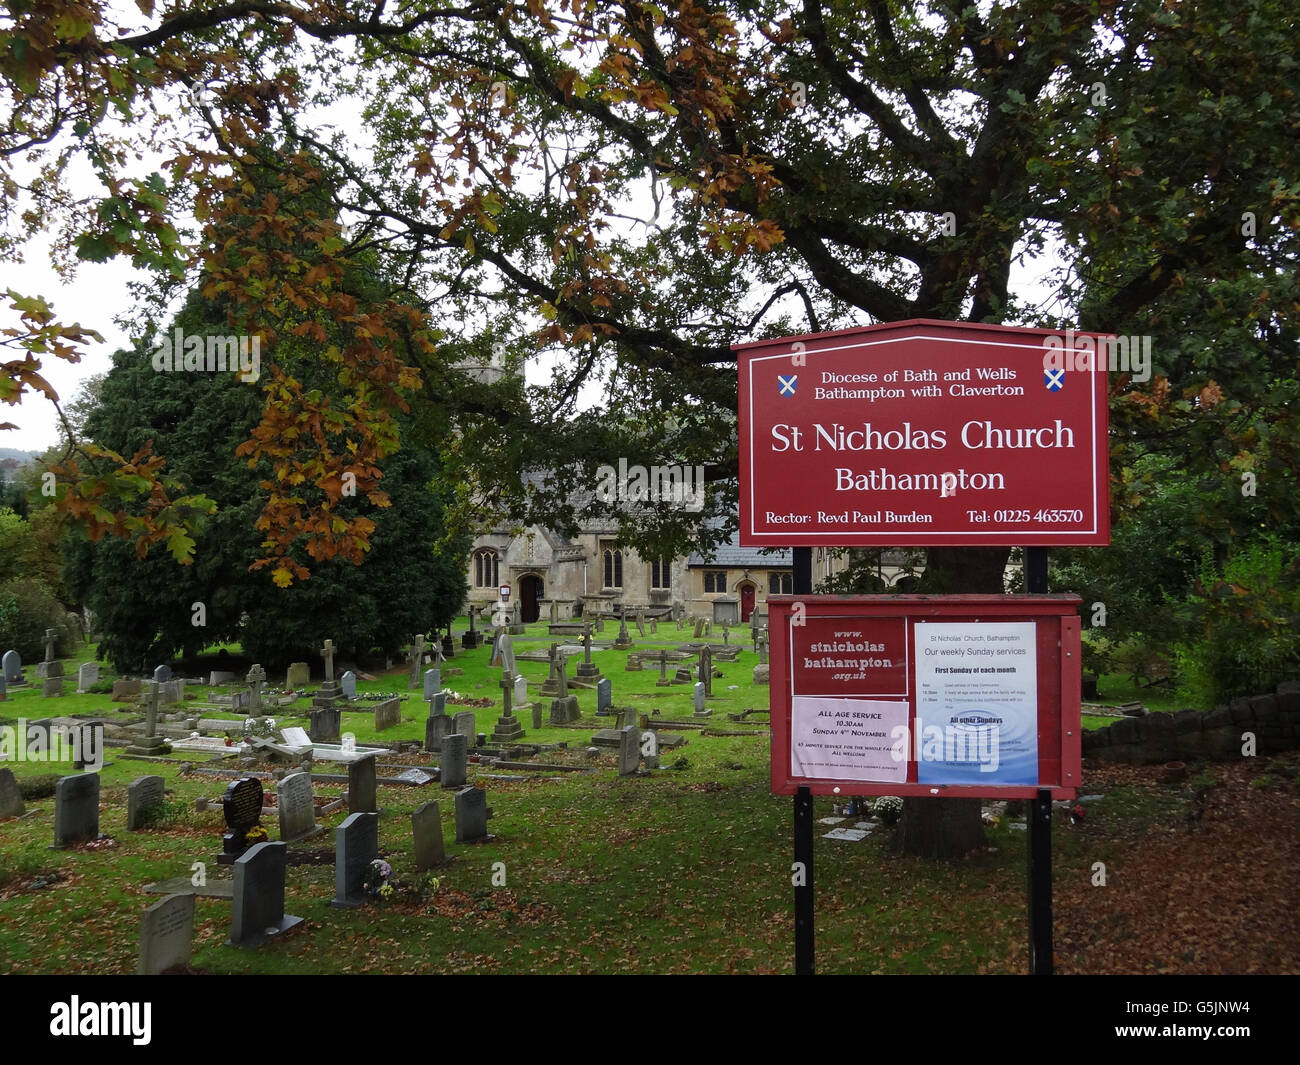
{"type": "Point", "coordinates": [924, 432]}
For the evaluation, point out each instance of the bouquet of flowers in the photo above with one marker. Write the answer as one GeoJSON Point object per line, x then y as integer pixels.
{"type": "Point", "coordinates": [378, 879]}
{"type": "Point", "coordinates": [259, 726]}
{"type": "Point", "coordinates": [889, 808]}
{"type": "Point", "coordinates": [256, 834]}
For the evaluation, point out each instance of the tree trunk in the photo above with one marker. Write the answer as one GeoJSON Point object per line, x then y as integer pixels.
{"type": "Point", "coordinates": [949, 828]}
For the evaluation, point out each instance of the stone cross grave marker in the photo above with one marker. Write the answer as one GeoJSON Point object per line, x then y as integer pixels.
{"type": "Point", "coordinates": [327, 653]}
{"type": "Point", "coordinates": [166, 934]}
{"type": "Point", "coordinates": [417, 660]}
{"type": "Point", "coordinates": [255, 679]}
{"type": "Point", "coordinates": [295, 808]}
{"type": "Point", "coordinates": [142, 795]}
{"type": "Point", "coordinates": [257, 902]}
{"type": "Point", "coordinates": [426, 830]}
{"type": "Point", "coordinates": [76, 810]}
{"type": "Point", "coordinates": [242, 807]}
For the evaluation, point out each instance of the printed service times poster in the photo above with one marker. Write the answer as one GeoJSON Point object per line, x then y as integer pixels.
{"type": "Point", "coordinates": [976, 720]}
{"type": "Point", "coordinates": [976, 703]}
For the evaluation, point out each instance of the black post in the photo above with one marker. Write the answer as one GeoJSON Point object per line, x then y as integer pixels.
{"type": "Point", "coordinates": [1040, 884]}
{"type": "Point", "coordinates": [1040, 822]}
{"type": "Point", "coordinates": [803, 881]}
{"type": "Point", "coordinates": [804, 939]}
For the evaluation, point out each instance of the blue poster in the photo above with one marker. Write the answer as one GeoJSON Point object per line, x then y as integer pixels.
{"type": "Point", "coordinates": [976, 718]}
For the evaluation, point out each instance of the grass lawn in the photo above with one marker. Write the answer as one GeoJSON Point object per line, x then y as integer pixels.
{"type": "Point", "coordinates": [685, 870]}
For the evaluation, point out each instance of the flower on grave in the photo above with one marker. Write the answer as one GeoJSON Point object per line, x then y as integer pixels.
{"type": "Point", "coordinates": [889, 808]}
{"type": "Point", "coordinates": [256, 834]}
{"type": "Point", "coordinates": [386, 890]}
{"type": "Point", "coordinates": [376, 879]}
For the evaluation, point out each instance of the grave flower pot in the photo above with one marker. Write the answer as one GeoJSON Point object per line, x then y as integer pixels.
{"type": "Point", "coordinates": [1173, 772]}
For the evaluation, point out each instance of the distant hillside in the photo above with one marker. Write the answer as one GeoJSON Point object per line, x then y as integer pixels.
{"type": "Point", "coordinates": [23, 457]}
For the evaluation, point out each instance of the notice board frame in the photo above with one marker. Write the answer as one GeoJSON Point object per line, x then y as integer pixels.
{"type": "Point", "coordinates": [1059, 687]}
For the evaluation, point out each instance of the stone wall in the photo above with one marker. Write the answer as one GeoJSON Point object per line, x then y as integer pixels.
{"type": "Point", "coordinates": [1160, 737]}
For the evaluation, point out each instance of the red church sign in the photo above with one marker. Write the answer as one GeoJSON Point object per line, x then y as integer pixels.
{"type": "Point", "coordinates": [922, 432]}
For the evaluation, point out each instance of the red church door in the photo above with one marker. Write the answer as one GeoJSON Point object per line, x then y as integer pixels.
{"type": "Point", "coordinates": [746, 601]}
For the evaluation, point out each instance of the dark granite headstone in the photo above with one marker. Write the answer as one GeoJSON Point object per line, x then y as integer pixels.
{"type": "Point", "coordinates": [356, 845]}
{"type": "Point", "coordinates": [455, 761]}
{"type": "Point", "coordinates": [257, 904]}
{"type": "Point", "coordinates": [472, 815]}
{"type": "Point", "coordinates": [362, 778]}
{"type": "Point", "coordinates": [76, 810]}
{"type": "Point", "coordinates": [242, 807]}
{"type": "Point", "coordinates": [426, 828]}
{"type": "Point", "coordinates": [142, 794]}
{"type": "Point", "coordinates": [11, 797]}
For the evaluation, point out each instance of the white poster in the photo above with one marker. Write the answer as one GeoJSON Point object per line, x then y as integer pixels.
{"type": "Point", "coordinates": [846, 739]}
{"type": "Point", "coordinates": [976, 703]}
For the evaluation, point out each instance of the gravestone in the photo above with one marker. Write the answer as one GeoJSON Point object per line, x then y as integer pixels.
{"type": "Point", "coordinates": [623, 640]}
{"type": "Point", "coordinates": [426, 829]}
{"type": "Point", "coordinates": [296, 811]}
{"type": "Point", "coordinates": [12, 664]}
{"type": "Point", "coordinates": [4, 687]}
{"type": "Point", "coordinates": [51, 667]}
{"type": "Point", "coordinates": [388, 714]}
{"type": "Point", "coordinates": [551, 685]}
{"type": "Point", "coordinates": [455, 760]}
{"type": "Point", "coordinates": [587, 669]}
{"type": "Point", "coordinates": [762, 674]}
{"type": "Point", "coordinates": [463, 722]}
{"type": "Point", "coordinates": [432, 682]}
{"type": "Point", "coordinates": [330, 691]}
{"type": "Point", "coordinates": [324, 725]}
{"type": "Point", "coordinates": [762, 649]}
{"type": "Point", "coordinates": [663, 681]}
{"type": "Point", "coordinates": [76, 810]}
{"type": "Point", "coordinates": [255, 679]}
{"type": "Point", "coordinates": [699, 628]}
{"type": "Point", "coordinates": [166, 934]}
{"type": "Point", "coordinates": [508, 729]}
{"type": "Point", "coordinates": [296, 739]}
{"type": "Point", "coordinates": [220, 676]}
{"type": "Point", "coordinates": [126, 690]}
{"type": "Point", "coordinates": [640, 622]}
{"type": "Point", "coordinates": [604, 696]}
{"type": "Point", "coordinates": [142, 795]}
{"type": "Point", "coordinates": [162, 674]}
{"type": "Point", "coordinates": [506, 652]}
{"type": "Point", "coordinates": [629, 750]}
{"type": "Point", "coordinates": [564, 707]}
{"type": "Point", "coordinates": [298, 675]}
{"type": "Point", "coordinates": [349, 685]}
{"type": "Point", "coordinates": [11, 797]}
{"type": "Point", "coordinates": [438, 704]}
{"type": "Point", "coordinates": [537, 715]}
{"type": "Point", "coordinates": [152, 742]}
{"type": "Point", "coordinates": [436, 729]}
{"type": "Point", "coordinates": [416, 655]}
{"type": "Point", "coordinates": [242, 807]}
{"type": "Point", "coordinates": [699, 697]}
{"type": "Point", "coordinates": [654, 627]}
{"type": "Point", "coordinates": [633, 664]}
{"type": "Point", "coordinates": [87, 674]}
{"type": "Point", "coordinates": [472, 815]}
{"type": "Point", "coordinates": [257, 902]}
{"type": "Point", "coordinates": [356, 845]}
{"type": "Point", "coordinates": [362, 784]}
{"type": "Point", "coordinates": [521, 691]}
{"type": "Point", "coordinates": [52, 687]}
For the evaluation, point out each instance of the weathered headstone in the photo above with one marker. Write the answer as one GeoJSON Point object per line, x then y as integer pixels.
{"type": "Point", "coordinates": [508, 729]}
{"type": "Point", "coordinates": [699, 628]}
{"type": "Point", "coordinates": [699, 697]}
{"type": "Point", "coordinates": [537, 715]}
{"type": "Point", "coordinates": [438, 704]}
{"type": "Point", "coordinates": [142, 795]}
{"type": "Point", "coordinates": [349, 685]}
{"type": "Point", "coordinates": [463, 722]}
{"type": "Point", "coordinates": [126, 690]}
{"type": "Point", "coordinates": [76, 810]}
{"type": "Point", "coordinates": [294, 806]}
{"type": "Point", "coordinates": [330, 691]}
{"type": "Point", "coordinates": [587, 669]}
{"type": "Point", "coordinates": [11, 796]}
{"type": "Point", "coordinates": [255, 679]}
{"type": "Point", "coordinates": [506, 652]}
{"type": "Point", "coordinates": [324, 724]}
{"type": "Point", "coordinates": [221, 676]}
{"type": "Point", "coordinates": [629, 750]}
{"type": "Point", "coordinates": [257, 903]}
{"type": "Point", "coordinates": [455, 760]}
{"type": "Point", "coordinates": [426, 829]}
{"type": "Point", "coordinates": [87, 674]}
{"type": "Point", "coordinates": [166, 934]}
{"type": "Point", "coordinates": [640, 622]}
{"type": "Point", "coordinates": [242, 807]}
{"type": "Point", "coordinates": [12, 664]}
{"type": "Point", "coordinates": [52, 687]}
{"type": "Point", "coordinates": [521, 691]}
{"type": "Point", "coordinates": [623, 640]}
{"type": "Point", "coordinates": [436, 729]}
{"type": "Point", "coordinates": [162, 674]}
{"type": "Point", "coordinates": [362, 785]}
{"type": "Point", "coordinates": [152, 742]}
{"type": "Point", "coordinates": [472, 815]}
{"type": "Point", "coordinates": [604, 696]}
{"type": "Point", "coordinates": [298, 675]}
{"type": "Point", "coordinates": [388, 714]}
{"type": "Point", "coordinates": [51, 667]}
{"type": "Point", "coordinates": [356, 845]}
{"type": "Point", "coordinates": [416, 655]}
{"type": "Point", "coordinates": [432, 682]}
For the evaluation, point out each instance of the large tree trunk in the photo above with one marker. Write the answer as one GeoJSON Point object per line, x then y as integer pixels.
{"type": "Point", "coordinates": [949, 828]}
